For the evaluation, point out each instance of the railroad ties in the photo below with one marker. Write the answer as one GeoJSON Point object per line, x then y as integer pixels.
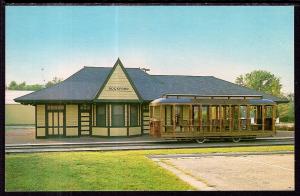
{"type": "Point", "coordinates": [140, 145]}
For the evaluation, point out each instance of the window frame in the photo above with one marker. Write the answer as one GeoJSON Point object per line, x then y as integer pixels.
{"type": "Point", "coordinates": [112, 115]}
{"type": "Point", "coordinates": [137, 115]}
{"type": "Point", "coordinates": [105, 116]}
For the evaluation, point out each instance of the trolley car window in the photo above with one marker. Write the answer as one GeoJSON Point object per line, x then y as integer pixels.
{"type": "Point", "coordinates": [204, 113]}
{"type": "Point", "coordinates": [168, 115]}
{"type": "Point", "coordinates": [268, 117]}
{"type": "Point", "coordinates": [243, 117]}
{"type": "Point", "coordinates": [235, 111]}
{"type": "Point", "coordinates": [178, 115]}
{"type": "Point", "coordinates": [196, 115]}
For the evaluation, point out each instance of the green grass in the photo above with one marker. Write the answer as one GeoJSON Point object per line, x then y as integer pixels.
{"type": "Point", "coordinates": [118, 170]}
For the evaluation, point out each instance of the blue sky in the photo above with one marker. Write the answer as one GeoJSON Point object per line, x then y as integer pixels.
{"type": "Point", "coordinates": [43, 42]}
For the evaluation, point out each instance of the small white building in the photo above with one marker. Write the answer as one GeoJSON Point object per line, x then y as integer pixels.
{"type": "Point", "coordinates": [16, 113]}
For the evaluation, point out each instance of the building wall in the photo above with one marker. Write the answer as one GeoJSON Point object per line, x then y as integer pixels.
{"type": "Point", "coordinates": [17, 114]}
{"type": "Point", "coordinates": [40, 120]}
{"type": "Point", "coordinates": [72, 120]}
{"type": "Point", "coordinates": [99, 131]}
{"type": "Point", "coordinates": [118, 131]}
{"type": "Point", "coordinates": [135, 131]}
{"type": "Point", "coordinates": [72, 123]}
{"type": "Point", "coordinates": [118, 87]}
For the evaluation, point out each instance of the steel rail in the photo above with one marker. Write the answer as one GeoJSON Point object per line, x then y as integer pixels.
{"type": "Point", "coordinates": [143, 146]}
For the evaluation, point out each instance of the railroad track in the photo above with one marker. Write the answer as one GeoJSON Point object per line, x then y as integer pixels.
{"type": "Point", "coordinates": [139, 145]}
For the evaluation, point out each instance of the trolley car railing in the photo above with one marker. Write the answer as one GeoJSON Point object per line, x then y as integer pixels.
{"type": "Point", "coordinates": [211, 116]}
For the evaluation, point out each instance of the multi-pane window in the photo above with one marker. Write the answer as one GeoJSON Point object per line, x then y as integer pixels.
{"type": "Point", "coordinates": [101, 116]}
{"type": "Point", "coordinates": [85, 107]}
{"type": "Point", "coordinates": [134, 115]}
{"type": "Point", "coordinates": [118, 115]}
{"type": "Point", "coordinates": [55, 107]}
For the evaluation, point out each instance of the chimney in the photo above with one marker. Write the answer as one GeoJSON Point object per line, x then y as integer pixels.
{"type": "Point", "coordinates": [144, 69]}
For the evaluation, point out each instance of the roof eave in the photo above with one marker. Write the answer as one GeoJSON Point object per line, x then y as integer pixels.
{"type": "Point", "coordinates": [52, 101]}
{"type": "Point", "coordinates": [282, 101]}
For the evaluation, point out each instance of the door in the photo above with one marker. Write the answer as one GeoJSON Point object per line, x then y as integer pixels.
{"type": "Point", "coordinates": [85, 118]}
{"type": "Point", "coordinates": [55, 120]}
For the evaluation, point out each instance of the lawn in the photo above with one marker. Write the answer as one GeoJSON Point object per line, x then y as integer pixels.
{"type": "Point", "coordinates": [118, 170]}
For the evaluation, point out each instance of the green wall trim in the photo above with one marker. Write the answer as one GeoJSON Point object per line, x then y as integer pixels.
{"type": "Point", "coordinates": [125, 136]}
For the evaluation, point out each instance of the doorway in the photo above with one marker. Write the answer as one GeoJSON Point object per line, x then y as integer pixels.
{"type": "Point", "coordinates": [55, 117]}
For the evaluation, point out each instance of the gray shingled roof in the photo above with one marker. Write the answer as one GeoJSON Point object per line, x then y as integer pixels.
{"type": "Point", "coordinates": [206, 85]}
{"type": "Point", "coordinates": [85, 84]}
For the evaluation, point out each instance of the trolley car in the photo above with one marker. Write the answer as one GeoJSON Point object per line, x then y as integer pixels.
{"type": "Point", "coordinates": [192, 117]}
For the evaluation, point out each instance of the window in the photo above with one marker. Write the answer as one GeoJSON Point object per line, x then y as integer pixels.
{"type": "Point", "coordinates": [178, 114]}
{"type": "Point", "coordinates": [196, 115]}
{"type": "Point", "coordinates": [134, 115]}
{"type": "Point", "coordinates": [55, 107]}
{"type": "Point", "coordinates": [85, 107]}
{"type": "Point", "coordinates": [243, 112]}
{"type": "Point", "coordinates": [168, 115]}
{"type": "Point", "coordinates": [101, 116]}
{"type": "Point", "coordinates": [205, 115]}
{"type": "Point", "coordinates": [118, 115]}
{"type": "Point", "coordinates": [146, 108]}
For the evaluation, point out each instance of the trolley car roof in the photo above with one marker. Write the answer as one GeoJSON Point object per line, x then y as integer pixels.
{"type": "Point", "coordinates": [85, 84]}
{"type": "Point", "coordinates": [183, 101]}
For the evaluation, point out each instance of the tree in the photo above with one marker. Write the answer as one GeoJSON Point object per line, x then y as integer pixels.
{"type": "Point", "coordinates": [12, 85]}
{"type": "Point", "coordinates": [260, 80]}
{"type": "Point", "coordinates": [34, 87]}
{"type": "Point", "coordinates": [286, 110]}
{"type": "Point", "coordinates": [267, 82]}
{"type": "Point", "coordinates": [54, 81]}
{"type": "Point", "coordinates": [21, 86]}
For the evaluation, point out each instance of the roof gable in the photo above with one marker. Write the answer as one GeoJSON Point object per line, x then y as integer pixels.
{"type": "Point", "coordinates": [118, 85]}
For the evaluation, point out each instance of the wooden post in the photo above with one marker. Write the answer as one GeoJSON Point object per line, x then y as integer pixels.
{"type": "Point", "coordinates": [190, 117]}
{"type": "Point", "coordinates": [248, 121]}
{"type": "Point", "coordinates": [263, 117]}
{"type": "Point", "coordinates": [239, 116]}
{"type": "Point", "coordinates": [256, 114]}
{"type": "Point", "coordinates": [200, 116]}
{"type": "Point", "coordinates": [126, 116]}
{"type": "Point", "coordinates": [160, 119]}
{"type": "Point", "coordinates": [220, 117]}
{"type": "Point", "coordinates": [153, 111]}
{"type": "Point", "coordinates": [173, 117]}
{"type": "Point", "coordinates": [209, 117]}
{"type": "Point", "coordinates": [273, 118]}
{"type": "Point", "coordinates": [230, 117]}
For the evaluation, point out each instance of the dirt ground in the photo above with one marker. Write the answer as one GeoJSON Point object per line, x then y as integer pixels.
{"type": "Point", "coordinates": [239, 172]}
{"type": "Point", "coordinates": [26, 135]}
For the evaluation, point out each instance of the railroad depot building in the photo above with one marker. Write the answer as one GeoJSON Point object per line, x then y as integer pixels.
{"type": "Point", "coordinates": [104, 101]}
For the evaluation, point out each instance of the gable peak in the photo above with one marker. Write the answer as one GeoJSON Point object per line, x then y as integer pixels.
{"type": "Point", "coordinates": [118, 62]}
